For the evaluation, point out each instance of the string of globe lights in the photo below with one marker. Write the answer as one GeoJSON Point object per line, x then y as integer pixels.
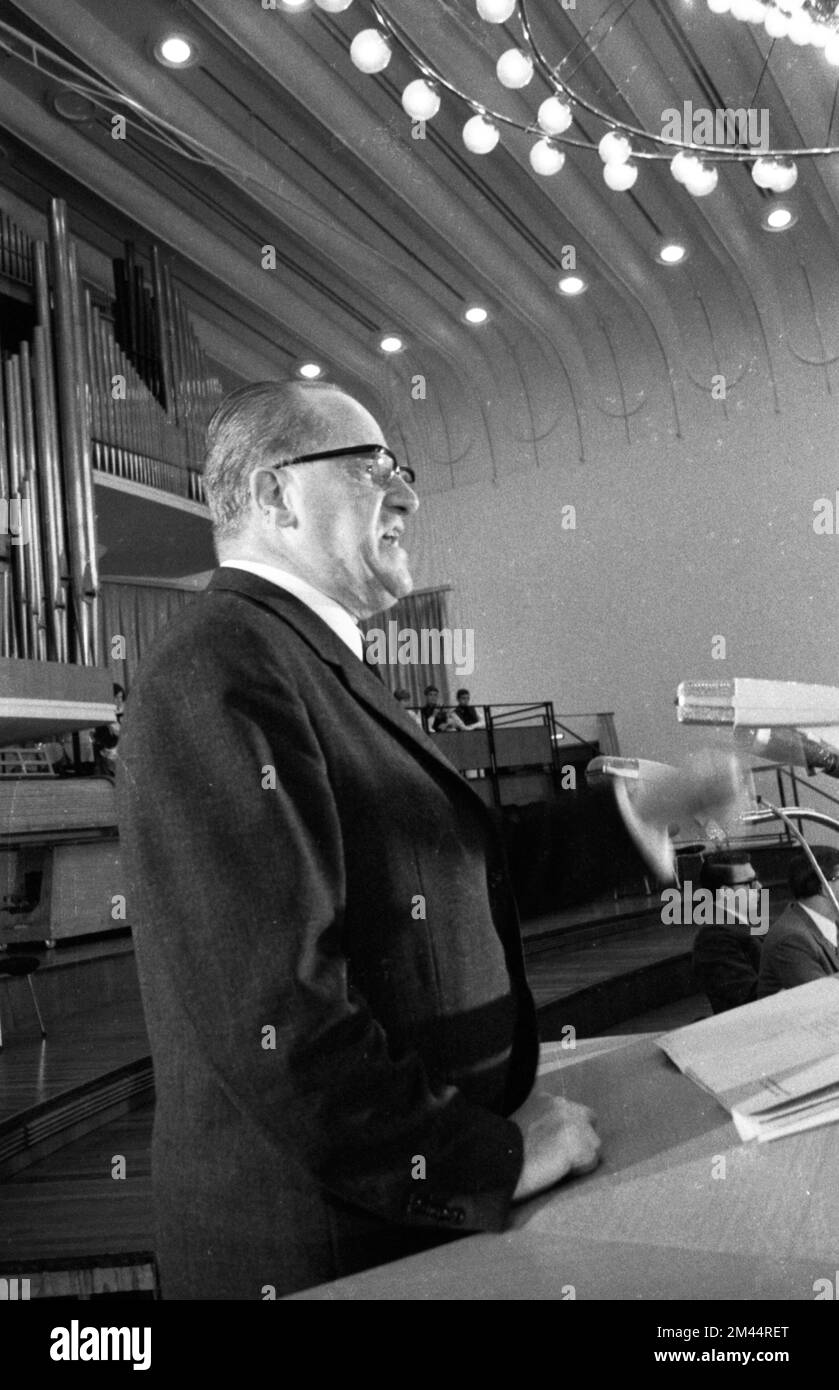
{"type": "Point", "coordinates": [623, 144]}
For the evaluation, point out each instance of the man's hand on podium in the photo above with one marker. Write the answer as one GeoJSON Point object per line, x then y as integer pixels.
{"type": "Point", "coordinates": [559, 1140]}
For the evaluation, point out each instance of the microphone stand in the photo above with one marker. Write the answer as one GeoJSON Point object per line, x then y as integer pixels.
{"type": "Point", "coordinates": [786, 814]}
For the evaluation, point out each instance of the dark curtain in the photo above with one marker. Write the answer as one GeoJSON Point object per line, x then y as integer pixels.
{"type": "Point", "coordinates": [137, 613]}
{"type": "Point", "coordinates": [424, 611]}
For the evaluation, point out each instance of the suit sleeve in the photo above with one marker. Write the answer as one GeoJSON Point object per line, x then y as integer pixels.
{"type": "Point", "coordinates": [723, 968]}
{"type": "Point", "coordinates": [235, 847]}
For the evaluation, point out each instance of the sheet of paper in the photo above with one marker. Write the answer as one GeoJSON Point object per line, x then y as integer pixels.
{"type": "Point", "coordinates": [763, 1047]}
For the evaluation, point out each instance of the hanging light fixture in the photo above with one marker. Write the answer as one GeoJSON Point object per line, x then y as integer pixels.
{"type": "Point", "coordinates": [496, 11]}
{"type": "Point", "coordinates": [545, 158]}
{"type": "Point", "coordinates": [421, 99]}
{"type": "Point", "coordinates": [620, 177]}
{"type": "Point", "coordinates": [623, 145]}
{"type": "Point", "coordinates": [480, 135]}
{"type": "Point", "coordinates": [370, 51]}
{"type": "Point", "coordinates": [514, 68]}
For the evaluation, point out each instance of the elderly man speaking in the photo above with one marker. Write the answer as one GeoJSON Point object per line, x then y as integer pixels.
{"type": "Point", "coordinates": [343, 1039]}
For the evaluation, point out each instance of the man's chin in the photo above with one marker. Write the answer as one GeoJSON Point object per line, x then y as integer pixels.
{"type": "Point", "coordinates": [391, 588]}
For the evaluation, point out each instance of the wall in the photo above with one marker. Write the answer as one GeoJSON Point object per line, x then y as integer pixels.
{"type": "Point", "coordinates": [676, 541]}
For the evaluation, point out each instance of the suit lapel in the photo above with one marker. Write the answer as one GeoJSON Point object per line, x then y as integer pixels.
{"type": "Point", "coordinates": [366, 686]}
{"type": "Point", "coordinates": [831, 952]}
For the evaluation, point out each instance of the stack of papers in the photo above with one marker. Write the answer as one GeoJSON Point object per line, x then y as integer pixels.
{"type": "Point", "coordinates": [773, 1064]}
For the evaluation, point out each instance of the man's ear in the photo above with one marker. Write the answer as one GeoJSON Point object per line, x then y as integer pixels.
{"type": "Point", "coordinates": [273, 493]}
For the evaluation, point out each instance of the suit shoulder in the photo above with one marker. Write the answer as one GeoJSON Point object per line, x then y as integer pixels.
{"type": "Point", "coordinates": [221, 633]}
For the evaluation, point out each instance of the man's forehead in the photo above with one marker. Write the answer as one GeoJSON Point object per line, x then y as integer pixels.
{"type": "Point", "coordinates": [345, 421]}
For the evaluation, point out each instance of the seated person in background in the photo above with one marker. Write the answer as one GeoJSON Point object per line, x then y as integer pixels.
{"type": "Point", "coordinates": [726, 953]}
{"type": "Point", "coordinates": [404, 698]}
{"type": "Point", "coordinates": [801, 945]}
{"type": "Point", "coordinates": [105, 737]}
{"type": "Point", "coordinates": [469, 717]}
{"type": "Point", "coordinates": [435, 718]}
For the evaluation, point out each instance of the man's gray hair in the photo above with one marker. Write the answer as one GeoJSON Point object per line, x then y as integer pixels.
{"type": "Point", "coordinates": [258, 425]}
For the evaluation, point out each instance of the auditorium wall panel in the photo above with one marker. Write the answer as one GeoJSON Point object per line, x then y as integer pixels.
{"type": "Point", "coordinates": [677, 542]}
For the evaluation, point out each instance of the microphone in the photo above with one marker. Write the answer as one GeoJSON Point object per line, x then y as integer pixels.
{"type": "Point", "coordinates": [783, 721]}
{"type": "Point", "coordinates": [636, 769]}
{"type": "Point", "coordinates": [789, 746]}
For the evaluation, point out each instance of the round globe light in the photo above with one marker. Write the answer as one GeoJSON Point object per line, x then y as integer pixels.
{"type": "Point", "coordinates": [778, 175]}
{"type": "Point", "coordinates": [421, 100]}
{"type": "Point", "coordinates": [683, 165]}
{"type": "Point", "coordinates": [719, 6]}
{"type": "Point", "coordinates": [762, 173]}
{"type": "Point", "coordinates": [545, 158]}
{"type": "Point", "coordinates": [614, 148]}
{"type": "Point", "coordinates": [310, 370]}
{"type": "Point", "coordinates": [672, 252]}
{"type": "Point", "coordinates": [620, 177]}
{"type": "Point", "coordinates": [496, 11]}
{"type": "Point", "coordinates": [480, 135]}
{"type": "Point", "coordinates": [391, 343]}
{"type": "Point", "coordinates": [571, 284]}
{"type": "Point", "coordinates": [800, 26]}
{"type": "Point", "coordinates": [514, 68]}
{"type": "Point", "coordinates": [333, 6]}
{"type": "Point", "coordinates": [820, 35]}
{"type": "Point", "coordinates": [554, 116]}
{"type": "Point", "coordinates": [370, 51]}
{"type": "Point", "coordinates": [776, 23]}
{"type": "Point", "coordinates": [831, 51]}
{"type": "Point", "coordinates": [476, 314]}
{"type": "Point", "coordinates": [702, 183]}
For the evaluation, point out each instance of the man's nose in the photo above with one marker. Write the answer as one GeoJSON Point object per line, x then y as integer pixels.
{"type": "Point", "coordinates": [401, 496]}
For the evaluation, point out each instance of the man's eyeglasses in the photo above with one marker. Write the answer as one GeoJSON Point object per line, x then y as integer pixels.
{"type": "Point", "coordinates": [382, 467]}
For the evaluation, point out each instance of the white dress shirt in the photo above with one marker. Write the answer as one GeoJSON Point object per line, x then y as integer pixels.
{"type": "Point", "coordinates": [343, 624]}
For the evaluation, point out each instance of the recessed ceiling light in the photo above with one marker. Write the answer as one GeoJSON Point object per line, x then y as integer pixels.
{"type": "Point", "coordinates": [671, 252]}
{"type": "Point", "coordinates": [779, 218]}
{"type": "Point", "coordinates": [391, 343]}
{"type": "Point", "coordinates": [310, 370]}
{"type": "Point", "coordinates": [176, 51]}
{"type": "Point", "coordinates": [476, 313]}
{"type": "Point", "coordinates": [571, 284]}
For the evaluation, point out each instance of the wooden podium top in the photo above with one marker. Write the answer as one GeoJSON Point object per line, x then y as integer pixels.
{"type": "Point", "coordinates": [679, 1208]}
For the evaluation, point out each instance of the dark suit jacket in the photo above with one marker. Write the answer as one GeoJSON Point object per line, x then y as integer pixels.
{"type": "Point", "coordinates": [329, 955]}
{"type": "Point", "coordinates": [794, 952]}
{"type": "Point", "coordinates": [726, 961]}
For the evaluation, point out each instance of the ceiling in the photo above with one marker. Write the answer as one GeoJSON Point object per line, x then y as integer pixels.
{"type": "Point", "coordinates": [376, 230]}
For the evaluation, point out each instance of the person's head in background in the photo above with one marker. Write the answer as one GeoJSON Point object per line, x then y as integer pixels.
{"type": "Point", "coordinates": [463, 696]}
{"type": "Point", "coordinates": [730, 876]}
{"type": "Point", "coordinates": [402, 695]}
{"type": "Point", "coordinates": [432, 696]}
{"type": "Point", "coordinates": [119, 697]}
{"type": "Point", "coordinates": [806, 886]}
